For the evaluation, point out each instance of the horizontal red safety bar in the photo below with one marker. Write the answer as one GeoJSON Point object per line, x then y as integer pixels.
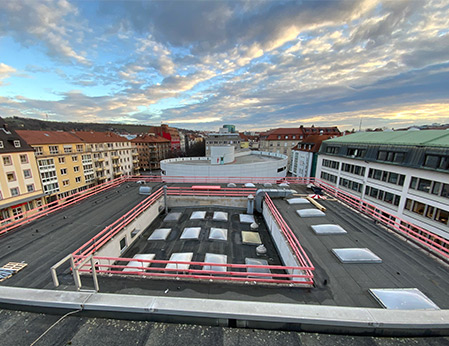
{"type": "Point", "coordinates": [59, 204]}
{"type": "Point", "coordinates": [421, 236]}
{"type": "Point", "coordinates": [206, 187]}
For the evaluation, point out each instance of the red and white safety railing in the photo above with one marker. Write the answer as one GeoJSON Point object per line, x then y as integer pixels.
{"type": "Point", "coordinates": [275, 274]}
{"type": "Point", "coordinates": [12, 223]}
{"type": "Point", "coordinates": [291, 238]}
{"type": "Point", "coordinates": [419, 235]}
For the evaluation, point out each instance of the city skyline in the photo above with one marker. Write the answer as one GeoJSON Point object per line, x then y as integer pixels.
{"type": "Point", "coordinates": [201, 64]}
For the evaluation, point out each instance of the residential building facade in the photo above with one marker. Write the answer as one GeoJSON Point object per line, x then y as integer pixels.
{"type": "Point", "coordinates": [170, 133]}
{"type": "Point", "coordinates": [113, 155]}
{"type": "Point", "coordinates": [282, 140]}
{"type": "Point", "coordinates": [406, 173]}
{"type": "Point", "coordinates": [65, 165]}
{"type": "Point", "coordinates": [20, 185]}
{"type": "Point", "coordinates": [305, 155]}
{"type": "Point", "coordinates": [151, 149]}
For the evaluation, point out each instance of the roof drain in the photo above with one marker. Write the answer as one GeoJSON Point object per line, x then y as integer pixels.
{"type": "Point", "coordinates": [273, 193]}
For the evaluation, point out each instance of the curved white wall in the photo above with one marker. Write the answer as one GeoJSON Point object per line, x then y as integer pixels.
{"type": "Point", "coordinates": [268, 168]}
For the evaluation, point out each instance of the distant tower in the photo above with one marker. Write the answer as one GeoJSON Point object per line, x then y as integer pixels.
{"type": "Point", "coordinates": [231, 128]}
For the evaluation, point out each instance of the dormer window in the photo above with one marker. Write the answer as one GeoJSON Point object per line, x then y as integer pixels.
{"type": "Point", "coordinates": [17, 144]}
{"type": "Point", "coordinates": [1, 145]}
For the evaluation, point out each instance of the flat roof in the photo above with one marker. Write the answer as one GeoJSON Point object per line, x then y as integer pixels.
{"type": "Point", "coordinates": [87, 331]}
{"type": "Point", "coordinates": [430, 138]}
{"type": "Point", "coordinates": [251, 158]}
{"type": "Point", "coordinates": [403, 265]}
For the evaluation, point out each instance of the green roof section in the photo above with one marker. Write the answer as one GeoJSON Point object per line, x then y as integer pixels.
{"type": "Point", "coordinates": [429, 138]}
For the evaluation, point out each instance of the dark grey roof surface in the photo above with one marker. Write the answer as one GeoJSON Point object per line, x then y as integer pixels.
{"type": "Point", "coordinates": [404, 266]}
{"type": "Point", "coordinates": [24, 328]}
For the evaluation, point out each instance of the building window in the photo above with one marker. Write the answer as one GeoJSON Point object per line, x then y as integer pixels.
{"type": "Point", "coordinates": [76, 169]}
{"type": "Point", "coordinates": [65, 182]}
{"type": "Point", "coordinates": [14, 191]}
{"type": "Point", "coordinates": [78, 179]}
{"type": "Point", "coordinates": [79, 148]}
{"type": "Point", "coordinates": [10, 177]}
{"type": "Point", "coordinates": [356, 152]}
{"type": "Point", "coordinates": [418, 208]}
{"type": "Point", "coordinates": [390, 156]}
{"type": "Point", "coordinates": [74, 158]}
{"type": "Point", "coordinates": [67, 149]}
{"type": "Point", "coordinates": [24, 158]}
{"type": "Point", "coordinates": [39, 151]}
{"type": "Point", "coordinates": [17, 144]}
{"type": "Point", "coordinates": [27, 173]}
{"type": "Point", "coordinates": [17, 213]}
{"type": "Point", "coordinates": [7, 160]}
{"type": "Point", "coordinates": [424, 185]}
{"type": "Point", "coordinates": [332, 150]}
{"type": "Point", "coordinates": [30, 188]}
{"type": "Point", "coordinates": [63, 171]}
{"type": "Point", "coordinates": [123, 245]}
{"type": "Point", "coordinates": [61, 159]}
{"type": "Point", "coordinates": [1, 145]}
{"type": "Point", "coordinates": [53, 149]}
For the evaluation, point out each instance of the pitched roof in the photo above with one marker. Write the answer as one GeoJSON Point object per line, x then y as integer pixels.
{"type": "Point", "coordinates": [34, 137]}
{"type": "Point", "coordinates": [99, 137]}
{"type": "Point", "coordinates": [430, 138]}
{"type": "Point", "coordinates": [8, 136]}
{"type": "Point", "coordinates": [150, 139]}
{"type": "Point", "coordinates": [314, 140]}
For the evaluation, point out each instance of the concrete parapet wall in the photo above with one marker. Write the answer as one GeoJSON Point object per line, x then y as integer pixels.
{"type": "Point", "coordinates": [244, 314]}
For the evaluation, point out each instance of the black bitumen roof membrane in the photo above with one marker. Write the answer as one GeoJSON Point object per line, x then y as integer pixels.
{"type": "Point", "coordinates": [403, 265]}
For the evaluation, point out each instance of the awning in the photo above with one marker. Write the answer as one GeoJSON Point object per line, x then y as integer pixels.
{"type": "Point", "coordinates": [20, 201]}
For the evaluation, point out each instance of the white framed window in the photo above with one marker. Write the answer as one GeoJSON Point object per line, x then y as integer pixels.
{"type": "Point", "coordinates": [24, 158]}
{"type": "Point", "coordinates": [74, 158]}
{"type": "Point", "coordinates": [1, 145]}
{"type": "Point", "coordinates": [76, 169]}
{"type": "Point", "coordinates": [39, 151]}
{"type": "Point", "coordinates": [65, 182]}
{"type": "Point", "coordinates": [14, 191]}
{"type": "Point", "coordinates": [53, 149]}
{"type": "Point", "coordinates": [30, 187]}
{"type": "Point", "coordinates": [17, 144]}
{"type": "Point", "coordinates": [78, 179]}
{"type": "Point", "coordinates": [67, 149]}
{"type": "Point", "coordinates": [61, 159]}
{"type": "Point", "coordinates": [79, 148]}
{"type": "Point", "coordinates": [63, 171]}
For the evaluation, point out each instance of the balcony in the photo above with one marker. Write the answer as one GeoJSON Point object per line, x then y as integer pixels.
{"type": "Point", "coordinates": [115, 157]}
{"type": "Point", "coordinates": [135, 161]}
{"type": "Point", "coordinates": [101, 178]}
{"type": "Point", "coordinates": [135, 154]}
{"type": "Point", "coordinates": [116, 165]}
{"type": "Point", "coordinates": [117, 174]}
{"type": "Point", "coordinates": [99, 159]}
{"type": "Point", "coordinates": [99, 169]}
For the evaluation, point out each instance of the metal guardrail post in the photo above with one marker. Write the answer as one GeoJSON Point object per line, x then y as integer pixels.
{"type": "Point", "coordinates": [94, 274]}
{"type": "Point", "coordinates": [165, 199]}
{"type": "Point", "coordinates": [76, 274]}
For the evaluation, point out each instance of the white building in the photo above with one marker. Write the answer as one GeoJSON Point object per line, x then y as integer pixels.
{"type": "Point", "coordinates": [405, 173]}
{"type": "Point", "coordinates": [225, 162]}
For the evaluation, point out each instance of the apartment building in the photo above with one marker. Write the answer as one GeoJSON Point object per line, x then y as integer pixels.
{"type": "Point", "coordinates": [222, 138]}
{"type": "Point", "coordinates": [305, 155]}
{"type": "Point", "coordinates": [112, 155]}
{"type": "Point", "coordinates": [403, 172]}
{"type": "Point", "coordinates": [170, 133]}
{"type": "Point", "coordinates": [282, 140]}
{"type": "Point", "coordinates": [151, 149]}
{"type": "Point", "coordinates": [20, 185]}
{"type": "Point", "coordinates": [65, 165]}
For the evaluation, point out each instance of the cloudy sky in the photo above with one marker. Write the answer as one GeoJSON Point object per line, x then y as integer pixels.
{"type": "Point", "coordinates": [200, 64]}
